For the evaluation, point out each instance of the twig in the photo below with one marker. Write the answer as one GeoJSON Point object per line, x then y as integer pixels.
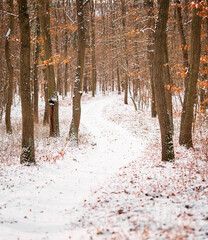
{"type": "Point", "coordinates": [8, 13]}
{"type": "Point", "coordinates": [85, 3]}
{"type": "Point", "coordinates": [69, 17]}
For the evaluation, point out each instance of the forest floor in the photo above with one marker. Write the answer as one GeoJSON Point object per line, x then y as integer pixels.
{"type": "Point", "coordinates": [113, 186]}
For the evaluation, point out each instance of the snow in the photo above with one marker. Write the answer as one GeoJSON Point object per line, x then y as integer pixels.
{"type": "Point", "coordinates": [8, 33]}
{"type": "Point", "coordinates": [113, 186]}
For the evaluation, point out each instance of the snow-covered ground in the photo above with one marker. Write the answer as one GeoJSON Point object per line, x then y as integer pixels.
{"type": "Point", "coordinates": [113, 186]}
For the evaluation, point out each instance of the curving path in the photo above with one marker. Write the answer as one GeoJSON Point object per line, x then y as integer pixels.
{"type": "Point", "coordinates": [42, 202]}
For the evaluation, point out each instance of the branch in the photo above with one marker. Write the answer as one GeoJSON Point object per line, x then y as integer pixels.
{"type": "Point", "coordinates": [145, 29]}
{"type": "Point", "coordinates": [8, 13]}
{"type": "Point", "coordinates": [86, 2]}
{"type": "Point", "coordinates": [69, 17]}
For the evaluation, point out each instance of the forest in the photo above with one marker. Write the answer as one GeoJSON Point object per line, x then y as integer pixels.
{"type": "Point", "coordinates": [103, 119]}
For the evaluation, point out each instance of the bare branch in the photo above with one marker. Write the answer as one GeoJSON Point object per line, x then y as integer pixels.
{"type": "Point", "coordinates": [8, 13]}
{"type": "Point", "coordinates": [86, 2]}
{"type": "Point", "coordinates": [68, 17]}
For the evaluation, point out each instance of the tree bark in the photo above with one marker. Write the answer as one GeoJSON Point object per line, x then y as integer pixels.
{"type": "Point", "coordinates": [35, 71]}
{"type": "Point", "coordinates": [65, 54]}
{"type": "Point", "coordinates": [58, 73]}
{"type": "Point", "coordinates": [158, 64]}
{"type": "Point", "coordinates": [86, 78]}
{"type": "Point", "coordinates": [44, 15]}
{"type": "Point", "coordinates": [167, 81]}
{"type": "Point", "coordinates": [2, 81]}
{"type": "Point", "coordinates": [46, 110]}
{"type": "Point", "coordinates": [183, 40]}
{"type": "Point", "coordinates": [149, 7]}
{"type": "Point", "coordinates": [28, 152]}
{"type": "Point", "coordinates": [118, 79]}
{"type": "Point", "coordinates": [126, 86]}
{"type": "Point", "coordinates": [185, 137]}
{"type": "Point", "coordinates": [136, 82]}
{"type": "Point", "coordinates": [9, 68]}
{"type": "Point", "coordinates": [76, 109]}
{"type": "Point", "coordinates": [94, 72]}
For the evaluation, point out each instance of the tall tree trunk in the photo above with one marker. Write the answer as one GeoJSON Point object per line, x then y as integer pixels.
{"type": "Point", "coordinates": [116, 45]}
{"type": "Point", "coordinates": [149, 7]}
{"type": "Point", "coordinates": [104, 70]}
{"type": "Point", "coordinates": [35, 71]}
{"type": "Point", "coordinates": [94, 72]}
{"type": "Point", "coordinates": [167, 81]}
{"type": "Point", "coordinates": [186, 14]}
{"type": "Point", "coordinates": [65, 54]}
{"type": "Point", "coordinates": [118, 79]}
{"type": "Point", "coordinates": [183, 40]}
{"type": "Point", "coordinates": [58, 73]}
{"type": "Point", "coordinates": [137, 67]}
{"type": "Point", "coordinates": [9, 68]}
{"type": "Point", "coordinates": [203, 92]}
{"type": "Point", "coordinates": [28, 152]}
{"type": "Point", "coordinates": [185, 137]}
{"type": "Point", "coordinates": [158, 64]}
{"type": "Point", "coordinates": [126, 88]}
{"type": "Point", "coordinates": [112, 43]}
{"type": "Point", "coordinates": [1, 64]}
{"type": "Point", "coordinates": [46, 110]}
{"type": "Point", "coordinates": [76, 109]}
{"type": "Point", "coordinates": [44, 15]}
{"type": "Point", "coordinates": [86, 82]}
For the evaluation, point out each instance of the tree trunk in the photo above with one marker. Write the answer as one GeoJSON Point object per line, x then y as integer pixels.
{"type": "Point", "coordinates": [76, 109]}
{"type": "Point", "coordinates": [44, 15]}
{"type": "Point", "coordinates": [118, 79]}
{"type": "Point", "coordinates": [126, 86]}
{"type": "Point", "coordinates": [65, 54]}
{"type": "Point", "coordinates": [204, 92]}
{"type": "Point", "coordinates": [186, 13]}
{"type": "Point", "coordinates": [86, 82]}
{"type": "Point", "coordinates": [183, 40]}
{"type": "Point", "coordinates": [58, 73]}
{"type": "Point", "coordinates": [46, 110]}
{"type": "Point", "coordinates": [94, 72]}
{"type": "Point", "coordinates": [35, 71]}
{"type": "Point", "coordinates": [167, 81]}
{"type": "Point", "coordinates": [185, 137]}
{"type": "Point", "coordinates": [149, 7]}
{"type": "Point", "coordinates": [104, 61]}
{"type": "Point", "coordinates": [136, 82]}
{"type": "Point", "coordinates": [9, 68]}
{"type": "Point", "coordinates": [28, 152]}
{"type": "Point", "coordinates": [2, 80]}
{"type": "Point", "coordinates": [158, 64]}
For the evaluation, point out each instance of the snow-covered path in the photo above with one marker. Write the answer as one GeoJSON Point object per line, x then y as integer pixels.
{"type": "Point", "coordinates": [41, 202]}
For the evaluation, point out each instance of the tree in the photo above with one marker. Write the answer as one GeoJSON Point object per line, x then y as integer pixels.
{"type": "Point", "coordinates": [115, 44]}
{"type": "Point", "coordinates": [149, 7]}
{"type": "Point", "coordinates": [167, 81]}
{"type": "Point", "coordinates": [58, 72]}
{"type": "Point", "coordinates": [87, 85]}
{"type": "Point", "coordinates": [28, 152]}
{"type": "Point", "coordinates": [35, 66]}
{"type": "Point", "coordinates": [44, 16]}
{"type": "Point", "coordinates": [10, 68]}
{"type": "Point", "coordinates": [158, 64]}
{"type": "Point", "coordinates": [126, 88]}
{"type": "Point", "coordinates": [92, 15]}
{"type": "Point", "coordinates": [76, 109]}
{"type": "Point", "coordinates": [66, 40]}
{"type": "Point", "coordinates": [183, 39]}
{"type": "Point", "coordinates": [185, 137]}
